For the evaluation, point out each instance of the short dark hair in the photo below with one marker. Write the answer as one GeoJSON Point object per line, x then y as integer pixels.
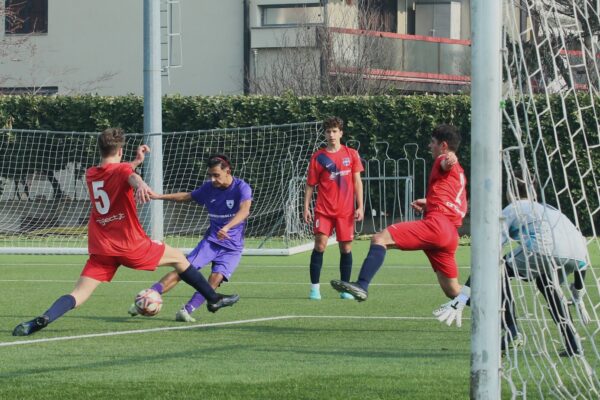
{"type": "Point", "coordinates": [449, 134]}
{"type": "Point", "coordinates": [110, 141]}
{"type": "Point", "coordinates": [218, 159]}
{"type": "Point", "coordinates": [333, 122]}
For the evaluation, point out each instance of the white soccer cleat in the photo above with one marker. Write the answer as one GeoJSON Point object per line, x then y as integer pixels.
{"type": "Point", "coordinates": [133, 310]}
{"type": "Point", "coordinates": [183, 316]}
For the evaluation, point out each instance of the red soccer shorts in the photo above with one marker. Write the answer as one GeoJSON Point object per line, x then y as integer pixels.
{"type": "Point", "coordinates": [145, 258]}
{"type": "Point", "coordinates": [435, 235]}
{"type": "Point", "coordinates": [344, 226]}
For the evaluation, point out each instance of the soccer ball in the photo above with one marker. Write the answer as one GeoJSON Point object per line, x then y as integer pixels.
{"type": "Point", "coordinates": [148, 302]}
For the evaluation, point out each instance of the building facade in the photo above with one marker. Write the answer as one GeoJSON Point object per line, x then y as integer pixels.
{"type": "Point", "coordinates": [237, 46]}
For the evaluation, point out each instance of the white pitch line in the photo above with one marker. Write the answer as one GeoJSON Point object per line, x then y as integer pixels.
{"type": "Point", "coordinates": [216, 324]}
{"type": "Point", "coordinates": [241, 266]}
{"type": "Point", "coordinates": [168, 328]}
{"type": "Point", "coordinates": [234, 282]}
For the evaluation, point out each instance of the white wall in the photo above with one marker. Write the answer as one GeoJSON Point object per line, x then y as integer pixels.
{"type": "Point", "coordinates": [90, 39]}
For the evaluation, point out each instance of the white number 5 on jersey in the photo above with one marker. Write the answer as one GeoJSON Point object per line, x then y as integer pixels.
{"type": "Point", "coordinates": [102, 201]}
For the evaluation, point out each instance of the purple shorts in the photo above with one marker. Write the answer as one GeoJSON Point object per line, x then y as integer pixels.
{"type": "Point", "coordinates": [224, 260]}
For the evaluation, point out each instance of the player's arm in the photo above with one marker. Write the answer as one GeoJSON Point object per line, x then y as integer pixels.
{"type": "Point", "coordinates": [177, 197]}
{"type": "Point", "coordinates": [358, 192]}
{"type": "Point", "coordinates": [419, 205]}
{"type": "Point", "coordinates": [140, 156]}
{"type": "Point", "coordinates": [143, 193]}
{"type": "Point", "coordinates": [238, 218]}
{"type": "Point", "coordinates": [449, 161]}
{"type": "Point", "coordinates": [308, 193]}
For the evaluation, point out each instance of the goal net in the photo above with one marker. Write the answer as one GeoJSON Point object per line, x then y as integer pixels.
{"type": "Point", "coordinates": [44, 205]}
{"type": "Point", "coordinates": [551, 123]}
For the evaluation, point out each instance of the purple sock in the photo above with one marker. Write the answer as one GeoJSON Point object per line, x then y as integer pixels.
{"type": "Point", "coordinates": [158, 287]}
{"type": "Point", "coordinates": [195, 302]}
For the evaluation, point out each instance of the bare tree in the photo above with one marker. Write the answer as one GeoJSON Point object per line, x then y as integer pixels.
{"type": "Point", "coordinates": [348, 54]}
{"type": "Point", "coordinates": [559, 24]}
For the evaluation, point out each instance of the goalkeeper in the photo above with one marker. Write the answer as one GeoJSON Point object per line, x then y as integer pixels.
{"type": "Point", "coordinates": [227, 200]}
{"type": "Point", "coordinates": [550, 248]}
{"type": "Point", "coordinates": [436, 234]}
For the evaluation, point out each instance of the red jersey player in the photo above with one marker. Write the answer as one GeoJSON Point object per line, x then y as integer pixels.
{"type": "Point", "coordinates": [336, 171]}
{"type": "Point", "coordinates": [115, 236]}
{"type": "Point", "coordinates": [436, 234]}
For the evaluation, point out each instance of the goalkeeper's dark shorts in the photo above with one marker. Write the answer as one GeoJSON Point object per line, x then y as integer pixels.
{"type": "Point", "coordinates": [436, 235]}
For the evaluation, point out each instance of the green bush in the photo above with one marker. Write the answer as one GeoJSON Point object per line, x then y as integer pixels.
{"type": "Point", "coordinates": [395, 119]}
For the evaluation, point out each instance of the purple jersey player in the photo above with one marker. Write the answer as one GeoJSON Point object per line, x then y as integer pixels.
{"type": "Point", "coordinates": [227, 200]}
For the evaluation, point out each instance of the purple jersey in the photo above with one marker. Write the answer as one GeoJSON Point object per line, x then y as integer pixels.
{"type": "Point", "coordinates": [222, 205]}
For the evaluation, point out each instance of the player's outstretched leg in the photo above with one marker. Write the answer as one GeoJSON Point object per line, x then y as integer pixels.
{"type": "Point", "coordinates": [29, 327]}
{"type": "Point", "coordinates": [191, 276]}
{"type": "Point", "coordinates": [354, 289]}
{"type": "Point", "coordinates": [223, 301]}
{"type": "Point", "coordinates": [56, 310]}
{"type": "Point", "coordinates": [372, 263]}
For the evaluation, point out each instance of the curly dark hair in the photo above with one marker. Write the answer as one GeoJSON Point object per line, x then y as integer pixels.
{"type": "Point", "coordinates": [333, 122]}
{"type": "Point", "coordinates": [449, 134]}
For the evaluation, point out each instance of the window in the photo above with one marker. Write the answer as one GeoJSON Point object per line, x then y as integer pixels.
{"type": "Point", "coordinates": [292, 15]}
{"type": "Point", "coordinates": [377, 15]}
{"type": "Point", "coordinates": [39, 90]}
{"type": "Point", "coordinates": [26, 16]}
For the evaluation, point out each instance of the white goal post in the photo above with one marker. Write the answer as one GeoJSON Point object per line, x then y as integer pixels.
{"type": "Point", "coordinates": [550, 98]}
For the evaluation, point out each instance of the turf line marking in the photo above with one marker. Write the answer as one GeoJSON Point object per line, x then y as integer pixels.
{"type": "Point", "coordinates": [242, 266]}
{"type": "Point", "coordinates": [235, 282]}
{"type": "Point", "coordinates": [167, 328]}
{"type": "Point", "coordinates": [216, 324]}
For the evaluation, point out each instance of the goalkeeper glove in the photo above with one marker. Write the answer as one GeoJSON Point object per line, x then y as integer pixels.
{"type": "Point", "coordinates": [580, 304]}
{"type": "Point", "coordinates": [452, 310]}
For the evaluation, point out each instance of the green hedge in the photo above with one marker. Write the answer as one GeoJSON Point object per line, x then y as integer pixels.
{"type": "Point", "coordinates": [395, 119]}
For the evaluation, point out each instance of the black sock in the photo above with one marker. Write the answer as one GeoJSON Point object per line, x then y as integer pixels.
{"type": "Point", "coordinates": [371, 265]}
{"type": "Point", "coordinates": [316, 262]}
{"type": "Point", "coordinates": [345, 266]}
{"type": "Point", "coordinates": [508, 304]}
{"type": "Point", "coordinates": [60, 307]}
{"type": "Point", "coordinates": [195, 279]}
{"type": "Point", "coordinates": [560, 313]}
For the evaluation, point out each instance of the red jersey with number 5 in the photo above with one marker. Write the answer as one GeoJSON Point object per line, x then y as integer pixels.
{"type": "Point", "coordinates": [113, 228]}
{"type": "Point", "coordinates": [446, 192]}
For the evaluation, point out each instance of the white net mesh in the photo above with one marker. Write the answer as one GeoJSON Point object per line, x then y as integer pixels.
{"type": "Point", "coordinates": [551, 132]}
{"type": "Point", "coordinates": [44, 204]}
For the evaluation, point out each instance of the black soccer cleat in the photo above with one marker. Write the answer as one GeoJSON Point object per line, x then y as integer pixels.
{"type": "Point", "coordinates": [30, 327]}
{"type": "Point", "coordinates": [224, 301]}
{"type": "Point", "coordinates": [571, 350]}
{"type": "Point", "coordinates": [354, 289]}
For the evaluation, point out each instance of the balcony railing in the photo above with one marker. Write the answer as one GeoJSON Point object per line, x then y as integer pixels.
{"type": "Point", "coordinates": [393, 56]}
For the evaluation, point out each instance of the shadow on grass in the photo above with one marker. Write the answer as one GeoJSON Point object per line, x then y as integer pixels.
{"type": "Point", "coordinates": [123, 361]}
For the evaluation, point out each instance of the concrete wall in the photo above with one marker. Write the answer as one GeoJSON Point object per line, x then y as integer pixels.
{"type": "Point", "coordinates": [97, 47]}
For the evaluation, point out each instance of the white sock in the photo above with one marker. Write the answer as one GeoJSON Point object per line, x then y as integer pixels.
{"type": "Point", "coordinates": [315, 286]}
